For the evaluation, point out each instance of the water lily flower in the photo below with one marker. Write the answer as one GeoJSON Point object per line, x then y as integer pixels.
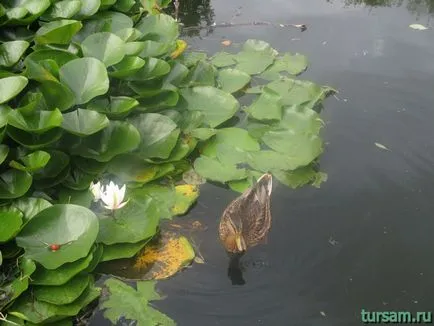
{"type": "Point", "coordinates": [113, 197]}
{"type": "Point", "coordinates": [96, 190]}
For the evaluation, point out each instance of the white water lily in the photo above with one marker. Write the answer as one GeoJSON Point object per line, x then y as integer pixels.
{"type": "Point", "coordinates": [96, 190]}
{"type": "Point", "coordinates": [113, 196]}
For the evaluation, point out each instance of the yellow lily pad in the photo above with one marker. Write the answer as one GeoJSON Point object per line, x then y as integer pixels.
{"type": "Point", "coordinates": [180, 48]}
{"type": "Point", "coordinates": [185, 196]}
{"type": "Point", "coordinates": [164, 259]}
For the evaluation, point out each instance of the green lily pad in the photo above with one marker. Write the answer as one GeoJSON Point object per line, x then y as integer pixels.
{"type": "Point", "coordinates": [268, 106]}
{"type": "Point", "coordinates": [86, 77]}
{"type": "Point", "coordinates": [159, 134]}
{"type": "Point", "coordinates": [62, 294]}
{"type": "Point", "coordinates": [133, 304]}
{"type": "Point", "coordinates": [4, 115]}
{"type": "Point", "coordinates": [118, 138]}
{"type": "Point", "coordinates": [10, 223]}
{"type": "Point", "coordinates": [152, 69]}
{"type": "Point", "coordinates": [88, 8]}
{"type": "Point", "coordinates": [213, 169]}
{"type": "Point", "coordinates": [122, 250]}
{"type": "Point", "coordinates": [61, 275]}
{"type": "Point", "coordinates": [62, 9]}
{"type": "Point", "coordinates": [59, 56]}
{"type": "Point", "coordinates": [35, 122]}
{"type": "Point", "coordinates": [32, 162]}
{"type": "Point", "coordinates": [107, 47]}
{"type": "Point", "coordinates": [300, 177]}
{"type": "Point", "coordinates": [34, 141]}
{"type": "Point", "coordinates": [30, 206]}
{"type": "Point", "coordinates": [292, 64]}
{"type": "Point", "coordinates": [14, 183]}
{"type": "Point", "coordinates": [255, 57]}
{"type": "Point", "coordinates": [11, 86]}
{"type": "Point", "coordinates": [160, 28]}
{"type": "Point", "coordinates": [73, 228]}
{"type": "Point", "coordinates": [11, 52]}
{"type": "Point", "coordinates": [114, 106]}
{"type": "Point", "coordinates": [127, 67]}
{"type": "Point", "coordinates": [232, 80]}
{"type": "Point", "coordinates": [38, 312]}
{"type": "Point", "coordinates": [83, 122]}
{"type": "Point", "coordinates": [4, 151]}
{"type": "Point", "coordinates": [135, 222]}
{"type": "Point", "coordinates": [58, 32]}
{"type": "Point", "coordinates": [57, 95]}
{"type": "Point", "coordinates": [77, 197]}
{"type": "Point", "coordinates": [78, 180]}
{"type": "Point", "coordinates": [223, 59]}
{"type": "Point", "coordinates": [216, 105]}
{"type": "Point", "coordinates": [202, 74]}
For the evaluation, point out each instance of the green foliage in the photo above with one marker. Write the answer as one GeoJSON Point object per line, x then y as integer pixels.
{"type": "Point", "coordinates": [100, 91]}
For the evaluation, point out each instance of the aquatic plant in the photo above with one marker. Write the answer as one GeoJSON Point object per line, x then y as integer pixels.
{"type": "Point", "coordinates": [103, 90]}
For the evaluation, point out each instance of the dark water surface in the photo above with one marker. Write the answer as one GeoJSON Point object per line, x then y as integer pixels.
{"type": "Point", "coordinates": [365, 239]}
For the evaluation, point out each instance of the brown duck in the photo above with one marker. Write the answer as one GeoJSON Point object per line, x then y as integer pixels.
{"type": "Point", "coordinates": [247, 219]}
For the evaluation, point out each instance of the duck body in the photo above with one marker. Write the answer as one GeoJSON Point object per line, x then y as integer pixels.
{"type": "Point", "coordinates": [247, 219]}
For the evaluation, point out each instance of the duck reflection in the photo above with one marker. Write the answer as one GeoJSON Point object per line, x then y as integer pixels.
{"type": "Point", "coordinates": [235, 272]}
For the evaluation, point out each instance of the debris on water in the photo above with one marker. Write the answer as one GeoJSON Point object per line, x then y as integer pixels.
{"type": "Point", "coordinates": [199, 260]}
{"type": "Point", "coordinates": [295, 39]}
{"type": "Point", "coordinates": [324, 43]}
{"type": "Point", "coordinates": [382, 146]}
{"type": "Point", "coordinates": [333, 242]}
{"type": "Point", "coordinates": [323, 313]}
{"type": "Point", "coordinates": [418, 27]}
{"type": "Point", "coordinates": [226, 42]}
{"type": "Point", "coordinates": [281, 25]}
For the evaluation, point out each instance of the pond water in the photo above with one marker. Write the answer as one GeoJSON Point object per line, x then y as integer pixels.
{"type": "Point", "coordinates": [365, 239]}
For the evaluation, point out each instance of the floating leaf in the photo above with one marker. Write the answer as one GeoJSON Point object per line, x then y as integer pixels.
{"type": "Point", "coordinates": [268, 106]}
{"type": "Point", "coordinates": [73, 228]}
{"type": "Point", "coordinates": [84, 122]}
{"type": "Point", "coordinates": [185, 196]}
{"type": "Point", "coordinates": [133, 304]}
{"type": "Point", "coordinates": [4, 151]}
{"type": "Point", "coordinates": [114, 106]}
{"type": "Point", "coordinates": [107, 47]}
{"type": "Point", "coordinates": [35, 122]}
{"type": "Point", "coordinates": [216, 105]}
{"type": "Point", "coordinates": [232, 80]}
{"type": "Point", "coordinates": [127, 67]}
{"type": "Point", "coordinates": [58, 32]}
{"type": "Point", "coordinates": [292, 64]}
{"type": "Point", "coordinates": [63, 294]}
{"type": "Point", "coordinates": [11, 52]}
{"type": "Point", "coordinates": [86, 77]}
{"type": "Point", "coordinates": [38, 312]}
{"type": "Point", "coordinates": [31, 162]}
{"type": "Point", "coordinates": [30, 206]}
{"type": "Point", "coordinates": [161, 28]}
{"type": "Point", "coordinates": [14, 183]}
{"type": "Point", "coordinates": [299, 177]}
{"type": "Point", "coordinates": [255, 57]}
{"type": "Point", "coordinates": [223, 59]}
{"type": "Point", "coordinates": [61, 275]}
{"type": "Point", "coordinates": [214, 170]}
{"type": "Point", "coordinates": [10, 223]}
{"type": "Point", "coordinates": [63, 9]}
{"type": "Point", "coordinates": [122, 250]}
{"type": "Point", "coordinates": [191, 177]}
{"type": "Point", "coordinates": [11, 86]}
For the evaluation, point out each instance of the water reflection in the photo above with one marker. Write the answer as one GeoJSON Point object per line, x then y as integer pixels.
{"type": "Point", "coordinates": [416, 7]}
{"type": "Point", "coordinates": [235, 272]}
{"type": "Point", "coordinates": [195, 13]}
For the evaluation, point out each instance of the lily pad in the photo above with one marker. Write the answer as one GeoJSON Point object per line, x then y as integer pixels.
{"type": "Point", "coordinates": [300, 177]}
{"type": "Point", "coordinates": [268, 106]}
{"type": "Point", "coordinates": [122, 250]}
{"type": "Point", "coordinates": [212, 169]}
{"type": "Point", "coordinates": [14, 183]}
{"type": "Point", "coordinates": [63, 294]}
{"type": "Point", "coordinates": [107, 47]}
{"type": "Point", "coordinates": [132, 304]}
{"type": "Point", "coordinates": [86, 77]}
{"type": "Point", "coordinates": [134, 222]}
{"type": "Point", "coordinates": [58, 32]}
{"type": "Point", "coordinates": [73, 228]}
{"type": "Point", "coordinates": [10, 223]}
{"type": "Point", "coordinates": [232, 80]}
{"type": "Point", "coordinates": [35, 122]}
{"type": "Point", "coordinates": [84, 122]}
{"type": "Point", "coordinates": [185, 196]}
{"type": "Point", "coordinates": [30, 206]}
{"type": "Point", "coordinates": [31, 162]}
{"type": "Point", "coordinates": [63, 9]}
{"type": "Point", "coordinates": [11, 52]}
{"type": "Point", "coordinates": [11, 86]}
{"type": "Point", "coordinates": [216, 105]}
{"type": "Point", "coordinates": [38, 312]}
{"type": "Point", "coordinates": [292, 64]}
{"type": "Point", "coordinates": [61, 275]}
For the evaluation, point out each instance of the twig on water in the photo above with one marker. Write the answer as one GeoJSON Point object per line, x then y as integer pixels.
{"type": "Point", "coordinates": [301, 27]}
{"type": "Point", "coordinates": [176, 4]}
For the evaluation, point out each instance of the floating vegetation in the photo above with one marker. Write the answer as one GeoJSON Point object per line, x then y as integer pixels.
{"type": "Point", "coordinates": [109, 125]}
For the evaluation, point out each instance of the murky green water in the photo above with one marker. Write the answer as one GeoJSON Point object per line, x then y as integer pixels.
{"type": "Point", "coordinates": [366, 238]}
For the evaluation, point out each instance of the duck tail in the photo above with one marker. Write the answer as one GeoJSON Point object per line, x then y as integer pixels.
{"type": "Point", "coordinates": [265, 184]}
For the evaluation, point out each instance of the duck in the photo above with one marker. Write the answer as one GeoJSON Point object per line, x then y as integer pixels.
{"type": "Point", "coordinates": [246, 221]}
